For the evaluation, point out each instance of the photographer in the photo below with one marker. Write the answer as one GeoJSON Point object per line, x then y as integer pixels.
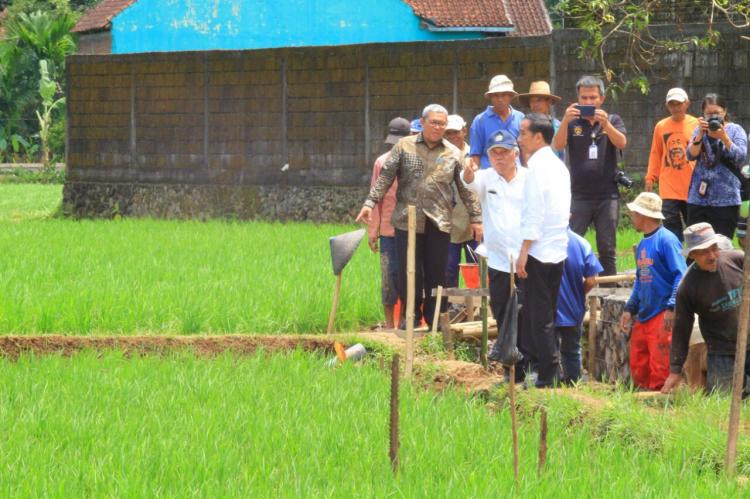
{"type": "Point", "coordinates": [719, 148]}
{"type": "Point", "coordinates": [593, 138]}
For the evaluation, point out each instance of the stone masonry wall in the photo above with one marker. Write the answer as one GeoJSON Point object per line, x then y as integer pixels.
{"type": "Point", "coordinates": [195, 134]}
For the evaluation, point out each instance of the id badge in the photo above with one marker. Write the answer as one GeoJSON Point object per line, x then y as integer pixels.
{"type": "Point", "coordinates": [593, 152]}
{"type": "Point", "coordinates": [703, 188]}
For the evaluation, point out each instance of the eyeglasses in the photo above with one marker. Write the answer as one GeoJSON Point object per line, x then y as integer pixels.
{"type": "Point", "coordinates": [438, 123]}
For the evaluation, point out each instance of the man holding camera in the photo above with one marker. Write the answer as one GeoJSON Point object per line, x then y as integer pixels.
{"type": "Point", "coordinates": [593, 138]}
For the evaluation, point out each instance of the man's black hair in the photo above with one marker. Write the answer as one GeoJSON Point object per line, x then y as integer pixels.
{"type": "Point", "coordinates": [541, 123]}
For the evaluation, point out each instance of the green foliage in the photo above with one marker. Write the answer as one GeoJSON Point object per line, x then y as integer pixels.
{"type": "Point", "coordinates": [32, 36]}
{"type": "Point", "coordinates": [630, 67]}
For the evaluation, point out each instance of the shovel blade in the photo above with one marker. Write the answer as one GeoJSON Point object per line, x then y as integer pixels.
{"type": "Point", "coordinates": [343, 247]}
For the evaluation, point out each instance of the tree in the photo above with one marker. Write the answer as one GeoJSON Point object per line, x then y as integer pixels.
{"type": "Point", "coordinates": [605, 21]}
{"type": "Point", "coordinates": [48, 90]}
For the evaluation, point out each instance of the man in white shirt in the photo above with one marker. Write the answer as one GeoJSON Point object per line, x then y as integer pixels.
{"type": "Point", "coordinates": [544, 229]}
{"type": "Point", "coordinates": [500, 191]}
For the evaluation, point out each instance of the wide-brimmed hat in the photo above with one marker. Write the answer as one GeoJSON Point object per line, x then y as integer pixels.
{"type": "Point", "coordinates": [397, 128]}
{"type": "Point", "coordinates": [647, 204]}
{"type": "Point", "coordinates": [500, 84]}
{"type": "Point", "coordinates": [538, 88]}
{"type": "Point", "coordinates": [700, 236]}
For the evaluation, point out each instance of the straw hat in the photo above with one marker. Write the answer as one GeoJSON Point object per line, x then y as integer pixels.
{"type": "Point", "coordinates": [540, 88]}
{"type": "Point", "coordinates": [500, 84]}
{"type": "Point", "coordinates": [647, 204]}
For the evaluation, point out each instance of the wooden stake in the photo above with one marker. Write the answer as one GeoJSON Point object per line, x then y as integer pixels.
{"type": "Point", "coordinates": [485, 314]}
{"type": "Point", "coordinates": [445, 325]}
{"type": "Point", "coordinates": [335, 304]}
{"type": "Point", "coordinates": [436, 316]}
{"type": "Point", "coordinates": [739, 369]}
{"type": "Point", "coordinates": [513, 420]}
{"type": "Point", "coordinates": [394, 421]}
{"type": "Point", "coordinates": [410, 278]}
{"type": "Point", "coordinates": [593, 313]}
{"type": "Point", "coordinates": [542, 440]}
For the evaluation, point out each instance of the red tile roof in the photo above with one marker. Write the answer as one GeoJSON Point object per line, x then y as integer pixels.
{"type": "Point", "coordinates": [98, 17]}
{"type": "Point", "coordinates": [530, 17]}
{"type": "Point", "coordinates": [462, 13]}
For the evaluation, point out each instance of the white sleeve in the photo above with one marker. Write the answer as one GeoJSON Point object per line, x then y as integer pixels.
{"type": "Point", "coordinates": [532, 213]}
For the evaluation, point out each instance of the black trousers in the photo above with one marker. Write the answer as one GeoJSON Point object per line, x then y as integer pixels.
{"type": "Point", "coordinates": [605, 215]}
{"type": "Point", "coordinates": [722, 218]}
{"type": "Point", "coordinates": [430, 258]}
{"type": "Point", "coordinates": [675, 216]}
{"type": "Point", "coordinates": [538, 341]}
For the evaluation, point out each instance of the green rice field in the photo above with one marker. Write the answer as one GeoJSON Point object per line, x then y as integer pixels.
{"type": "Point", "coordinates": [283, 425]}
{"type": "Point", "coordinates": [146, 276]}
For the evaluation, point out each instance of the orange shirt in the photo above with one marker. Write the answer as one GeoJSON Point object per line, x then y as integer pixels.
{"type": "Point", "coordinates": [380, 222]}
{"type": "Point", "coordinates": [668, 163]}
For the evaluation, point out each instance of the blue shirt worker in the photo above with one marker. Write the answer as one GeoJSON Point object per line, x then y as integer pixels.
{"type": "Point", "coordinates": [660, 266]}
{"type": "Point", "coordinates": [579, 274]}
{"type": "Point", "coordinates": [499, 115]}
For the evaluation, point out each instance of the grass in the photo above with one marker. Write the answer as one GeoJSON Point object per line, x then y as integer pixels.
{"type": "Point", "coordinates": [101, 425]}
{"type": "Point", "coordinates": [174, 277]}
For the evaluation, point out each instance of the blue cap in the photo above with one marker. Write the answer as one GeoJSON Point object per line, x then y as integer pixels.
{"type": "Point", "coordinates": [416, 125]}
{"type": "Point", "coordinates": [502, 138]}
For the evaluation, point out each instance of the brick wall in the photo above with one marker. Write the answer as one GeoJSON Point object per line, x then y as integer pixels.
{"type": "Point", "coordinates": [724, 70]}
{"type": "Point", "coordinates": [216, 119]}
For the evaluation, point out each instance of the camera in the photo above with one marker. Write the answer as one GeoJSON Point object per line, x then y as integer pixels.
{"type": "Point", "coordinates": [623, 180]}
{"type": "Point", "coordinates": [715, 122]}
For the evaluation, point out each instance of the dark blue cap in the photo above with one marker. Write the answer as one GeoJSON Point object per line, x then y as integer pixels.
{"type": "Point", "coordinates": [502, 138]}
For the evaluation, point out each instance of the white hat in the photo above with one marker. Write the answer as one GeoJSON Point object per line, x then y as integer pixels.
{"type": "Point", "coordinates": [500, 84]}
{"type": "Point", "coordinates": [647, 204]}
{"type": "Point", "coordinates": [677, 94]}
{"type": "Point", "coordinates": [455, 122]}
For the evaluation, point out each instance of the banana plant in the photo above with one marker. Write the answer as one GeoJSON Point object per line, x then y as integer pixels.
{"type": "Point", "coordinates": [48, 88]}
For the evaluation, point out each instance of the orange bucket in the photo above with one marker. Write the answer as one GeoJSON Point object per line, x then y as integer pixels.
{"type": "Point", "coordinates": [470, 273]}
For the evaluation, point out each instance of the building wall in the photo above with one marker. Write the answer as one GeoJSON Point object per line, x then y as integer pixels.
{"type": "Point", "coordinates": [95, 43]}
{"type": "Point", "coordinates": [178, 25]}
{"type": "Point", "coordinates": [208, 133]}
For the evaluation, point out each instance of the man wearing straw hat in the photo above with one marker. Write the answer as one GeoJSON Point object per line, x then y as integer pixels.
{"type": "Point", "coordinates": [500, 191]}
{"type": "Point", "coordinates": [660, 267]}
{"type": "Point", "coordinates": [539, 99]}
{"type": "Point", "coordinates": [712, 289]}
{"type": "Point", "coordinates": [499, 115]}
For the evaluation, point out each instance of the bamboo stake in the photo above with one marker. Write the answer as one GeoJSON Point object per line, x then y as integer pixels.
{"type": "Point", "coordinates": [335, 305]}
{"type": "Point", "coordinates": [394, 421]}
{"type": "Point", "coordinates": [410, 278]}
{"type": "Point", "coordinates": [513, 420]}
{"type": "Point", "coordinates": [542, 440]}
{"type": "Point", "coordinates": [593, 313]}
{"type": "Point", "coordinates": [436, 315]}
{"type": "Point", "coordinates": [447, 335]}
{"type": "Point", "coordinates": [739, 369]}
{"type": "Point", "coordinates": [485, 333]}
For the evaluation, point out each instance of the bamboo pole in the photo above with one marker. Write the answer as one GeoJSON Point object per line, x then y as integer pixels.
{"type": "Point", "coordinates": [542, 440]}
{"type": "Point", "coordinates": [593, 313]}
{"type": "Point", "coordinates": [335, 304]}
{"type": "Point", "coordinates": [514, 420]}
{"type": "Point", "coordinates": [394, 421]}
{"type": "Point", "coordinates": [609, 279]}
{"type": "Point", "coordinates": [410, 278]}
{"type": "Point", "coordinates": [739, 369]}
{"type": "Point", "coordinates": [436, 315]}
{"type": "Point", "coordinates": [485, 314]}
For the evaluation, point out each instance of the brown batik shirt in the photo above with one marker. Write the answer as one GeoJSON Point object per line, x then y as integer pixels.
{"type": "Point", "coordinates": [425, 179]}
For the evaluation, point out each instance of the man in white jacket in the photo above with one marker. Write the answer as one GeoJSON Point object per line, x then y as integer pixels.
{"type": "Point", "coordinates": [500, 191]}
{"type": "Point", "coordinates": [544, 229]}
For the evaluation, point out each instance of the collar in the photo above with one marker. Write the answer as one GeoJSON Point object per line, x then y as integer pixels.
{"type": "Point", "coordinates": [491, 112]}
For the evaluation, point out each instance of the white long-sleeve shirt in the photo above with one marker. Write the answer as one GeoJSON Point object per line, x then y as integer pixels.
{"type": "Point", "coordinates": [501, 214]}
{"type": "Point", "coordinates": [546, 207]}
